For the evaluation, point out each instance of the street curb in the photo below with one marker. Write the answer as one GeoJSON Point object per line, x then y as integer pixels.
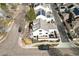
{"type": "Point", "coordinates": [4, 38]}
{"type": "Point", "coordinates": [73, 43]}
{"type": "Point", "coordinates": [21, 45]}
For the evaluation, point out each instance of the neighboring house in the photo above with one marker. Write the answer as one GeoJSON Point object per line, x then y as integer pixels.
{"type": "Point", "coordinates": [73, 8]}
{"type": "Point", "coordinates": [76, 12]}
{"type": "Point", "coordinates": [74, 30]}
{"type": "Point", "coordinates": [44, 27]}
{"type": "Point", "coordinates": [3, 17]}
{"type": "Point", "coordinates": [2, 13]}
{"type": "Point", "coordinates": [65, 7]}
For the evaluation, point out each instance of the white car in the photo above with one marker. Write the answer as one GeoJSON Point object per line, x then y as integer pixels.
{"type": "Point", "coordinates": [62, 9]}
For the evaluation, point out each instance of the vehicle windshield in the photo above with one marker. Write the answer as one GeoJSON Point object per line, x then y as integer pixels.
{"type": "Point", "coordinates": [70, 6]}
{"type": "Point", "coordinates": [62, 7]}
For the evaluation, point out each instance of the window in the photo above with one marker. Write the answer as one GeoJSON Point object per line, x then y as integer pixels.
{"type": "Point", "coordinates": [51, 36]}
{"type": "Point", "coordinates": [40, 30]}
{"type": "Point", "coordinates": [40, 33]}
{"type": "Point", "coordinates": [49, 22]}
{"type": "Point", "coordinates": [44, 35]}
{"type": "Point", "coordinates": [51, 32]}
{"type": "Point", "coordinates": [41, 12]}
{"type": "Point", "coordinates": [62, 7]}
{"type": "Point", "coordinates": [49, 12]}
{"type": "Point", "coordinates": [52, 21]}
{"type": "Point", "coordinates": [34, 36]}
{"type": "Point", "coordinates": [48, 16]}
{"type": "Point", "coordinates": [38, 13]}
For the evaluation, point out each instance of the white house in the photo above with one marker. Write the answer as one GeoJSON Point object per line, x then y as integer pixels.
{"type": "Point", "coordinates": [44, 11]}
{"type": "Point", "coordinates": [44, 27]}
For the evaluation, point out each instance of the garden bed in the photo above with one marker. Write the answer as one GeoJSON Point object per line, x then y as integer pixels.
{"type": "Point", "coordinates": [27, 41]}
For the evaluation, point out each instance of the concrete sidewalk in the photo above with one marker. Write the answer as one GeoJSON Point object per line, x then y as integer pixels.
{"type": "Point", "coordinates": [34, 45]}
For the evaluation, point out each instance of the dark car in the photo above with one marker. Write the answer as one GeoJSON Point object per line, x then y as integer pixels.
{"type": "Point", "coordinates": [43, 47]}
{"type": "Point", "coordinates": [71, 6]}
{"type": "Point", "coordinates": [8, 16]}
{"type": "Point", "coordinates": [19, 30]}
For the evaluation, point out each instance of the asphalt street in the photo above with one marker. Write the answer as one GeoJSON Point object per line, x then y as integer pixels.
{"type": "Point", "coordinates": [63, 51]}
{"type": "Point", "coordinates": [10, 46]}
{"type": "Point", "coordinates": [61, 28]}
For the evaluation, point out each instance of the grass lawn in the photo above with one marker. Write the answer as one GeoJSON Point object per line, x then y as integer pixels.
{"type": "Point", "coordinates": [3, 6]}
{"type": "Point", "coordinates": [30, 16]}
{"type": "Point", "coordinates": [6, 22]}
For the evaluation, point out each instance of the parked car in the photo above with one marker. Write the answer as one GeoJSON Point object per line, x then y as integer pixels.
{"type": "Point", "coordinates": [8, 16]}
{"type": "Point", "coordinates": [19, 30]}
{"type": "Point", "coordinates": [71, 6]}
{"type": "Point", "coordinates": [43, 47]}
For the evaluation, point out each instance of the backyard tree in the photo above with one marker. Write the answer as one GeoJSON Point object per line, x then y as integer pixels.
{"type": "Point", "coordinates": [30, 16]}
{"type": "Point", "coordinates": [3, 6]}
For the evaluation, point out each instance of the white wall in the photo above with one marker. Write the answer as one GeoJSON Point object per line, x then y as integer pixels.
{"type": "Point", "coordinates": [35, 33]}
{"type": "Point", "coordinates": [44, 17]}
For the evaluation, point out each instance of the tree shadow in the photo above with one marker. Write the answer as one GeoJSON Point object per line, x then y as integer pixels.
{"type": "Point", "coordinates": [75, 51]}
{"type": "Point", "coordinates": [54, 52]}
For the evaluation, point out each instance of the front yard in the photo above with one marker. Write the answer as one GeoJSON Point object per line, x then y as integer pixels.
{"type": "Point", "coordinates": [26, 41]}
